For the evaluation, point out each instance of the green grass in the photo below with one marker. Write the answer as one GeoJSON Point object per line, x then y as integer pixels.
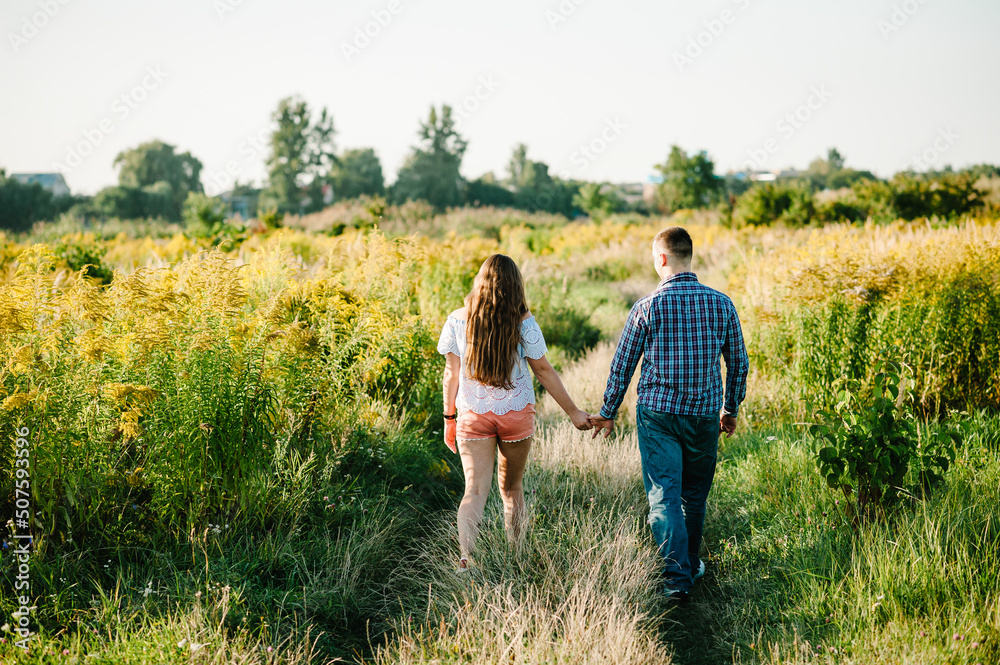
{"type": "Point", "coordinates": [789, 578]}
{"type": "Point", "coordinates": [352, 554]}
{"type": "Point", "coordinates": [313, 582]}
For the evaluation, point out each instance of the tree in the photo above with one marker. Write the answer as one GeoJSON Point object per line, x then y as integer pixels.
{"type": "Point", "coordinates": [689, 181]}
{"type": "Point", "coordinates": [431, 172]}
{"type": "Point", "coordinates": [357, 173]}
{"type": "Point", "coordinates": [153, 201]}
{"type": "Point", "coordinates": [595, 203]}
{"type": "Point", "coordinates": [22, 205]}
{"type": "Point", "coordinates": [830, 173]}
{"type": "Point", "coordinates": [834, 160]}
{"type": "Point", "coordinates": [786, 202]}
{"type": "Point", "coordinates": [154, 162]}
{"type": "Point", "coordinates": [486, 191]}
{"type": "Point", "coordinates": [302, 152]}
{"type": "Point", "coordinates": [534, 189]}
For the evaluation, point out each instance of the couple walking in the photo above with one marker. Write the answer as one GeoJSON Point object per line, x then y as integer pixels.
{"type": "Point", "coordinates": [680, 329]}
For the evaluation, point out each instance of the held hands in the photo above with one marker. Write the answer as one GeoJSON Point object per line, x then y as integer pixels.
{"type": "Point", "coordinates": [581, 419]}
{"type": "Point", "coordinates": [450, 428]}
{"type": "Point", "coordinates": [599, 423]}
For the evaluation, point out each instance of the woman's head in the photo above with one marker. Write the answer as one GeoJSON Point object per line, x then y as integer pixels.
{"type": "Point", "coordinates": [493, 321]}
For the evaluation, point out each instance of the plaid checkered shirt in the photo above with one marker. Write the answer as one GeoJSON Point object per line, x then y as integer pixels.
{"type": "Point", "coordinates": [680, 329]}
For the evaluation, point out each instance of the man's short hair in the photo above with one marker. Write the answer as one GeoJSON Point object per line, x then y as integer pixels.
{"type": "Point", "coordinates": [674, 241]}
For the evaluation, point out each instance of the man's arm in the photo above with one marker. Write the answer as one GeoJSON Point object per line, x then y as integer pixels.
{"type": "Point", "coordinates": [630, 346]}
{"type": "Point", "coordinates": [737, 366]}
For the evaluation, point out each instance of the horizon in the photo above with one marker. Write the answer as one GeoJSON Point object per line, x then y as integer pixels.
{"type": "Point", "coordinates": [585, 67]}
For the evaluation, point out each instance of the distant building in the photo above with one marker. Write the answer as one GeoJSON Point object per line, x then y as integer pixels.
{"type": "Point", "coordinates": [242, 202]}
{"type": "Point", "coordinates": [630, 192]}
{"type": "Point", "coordinates": [326, 191]}
{"type": "Point", "coordinates": [53, 182]}
{"type": "Point", "coordinates": [650, 186]}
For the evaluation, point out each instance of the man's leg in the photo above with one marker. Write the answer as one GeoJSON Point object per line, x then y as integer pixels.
{"type": "Point", "coordinates": [700, 446]}
{"type": "Point", "coordinates": [662, 460]}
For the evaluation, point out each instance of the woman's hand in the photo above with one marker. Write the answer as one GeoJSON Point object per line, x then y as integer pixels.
{"type": "Point", "coordinates": [581, 419]}
{"type": "Point", "coordinates": [450, 429]}
{"type": "Point", "coordinates": [549, 378]}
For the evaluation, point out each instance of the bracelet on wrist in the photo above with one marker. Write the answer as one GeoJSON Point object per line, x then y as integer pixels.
{"type": "Point", "coordinates": [451, 417]}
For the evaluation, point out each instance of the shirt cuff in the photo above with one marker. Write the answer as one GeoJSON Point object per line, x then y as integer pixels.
{"type": "Point", "coordinates": [607, 414]}
{"type": "Point", "coordinates": [733, 413]}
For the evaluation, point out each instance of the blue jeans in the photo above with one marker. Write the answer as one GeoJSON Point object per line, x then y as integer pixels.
{"type": "Point", "coordinates": [678, 464]}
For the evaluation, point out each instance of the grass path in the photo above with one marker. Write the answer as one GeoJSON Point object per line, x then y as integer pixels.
{"type": "Point", "coordinates": [789, 580]}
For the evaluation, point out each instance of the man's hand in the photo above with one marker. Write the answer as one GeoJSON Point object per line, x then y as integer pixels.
{"type": "Point", "coordinates": [599, 423]}
{"type": "Point", "coordinates": [450, 429]}
{"type": "Point", "coordinates": [727, 424]}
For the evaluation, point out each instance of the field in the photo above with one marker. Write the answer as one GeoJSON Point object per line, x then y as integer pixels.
{"type": "Point", "coordinates": [236, 452]}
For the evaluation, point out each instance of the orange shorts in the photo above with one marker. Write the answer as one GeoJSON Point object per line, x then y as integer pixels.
{"type": "Point", "coordinates": [510, 427]}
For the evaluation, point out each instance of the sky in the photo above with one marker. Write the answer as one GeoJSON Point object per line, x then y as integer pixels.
{"type": "Point", "coordinates": [597, 89]}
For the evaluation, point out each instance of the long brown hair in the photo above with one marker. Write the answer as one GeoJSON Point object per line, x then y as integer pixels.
{"type": "Point", "coordinates": [493, 322]}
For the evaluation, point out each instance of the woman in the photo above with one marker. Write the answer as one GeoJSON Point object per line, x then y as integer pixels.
{"type": "Point", "coordinates": [489, 401]}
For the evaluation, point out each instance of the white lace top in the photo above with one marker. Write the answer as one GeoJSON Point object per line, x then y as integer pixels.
{"type": "Point", "coordinates": [479, 398]}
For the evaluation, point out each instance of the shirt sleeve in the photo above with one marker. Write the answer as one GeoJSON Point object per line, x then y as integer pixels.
{"type": "Point", "coordinates": [630, 346]}
{"type": "Point", "coordinates": [734, 350]}
{"type": "Point", "coordinates": [532, 340]}
{"type": "Point", "coordinates": [448, 343]}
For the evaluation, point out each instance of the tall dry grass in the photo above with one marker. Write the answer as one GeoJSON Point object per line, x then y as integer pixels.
{"type": "Point", "coordinates": [582, 587]}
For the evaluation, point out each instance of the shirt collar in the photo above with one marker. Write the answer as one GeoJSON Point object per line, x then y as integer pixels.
{"type": "Point", "coordinates": [686, 276]}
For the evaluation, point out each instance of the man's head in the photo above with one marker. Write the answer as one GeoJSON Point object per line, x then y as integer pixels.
{"type": "Point", "coordinates": [672, 249]}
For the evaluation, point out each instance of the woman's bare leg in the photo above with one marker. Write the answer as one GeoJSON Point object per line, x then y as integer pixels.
{"type": "Point", "coordinates": [510, 476]}
{"type": "Point", "coordinates": [477, 462]}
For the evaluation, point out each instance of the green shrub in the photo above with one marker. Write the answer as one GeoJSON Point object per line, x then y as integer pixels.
{"type": "Point", "coordinates": [874, 442]}
{"type": "Point", "coordinates": [83, 252]}
{"type": "Point", "coordinates": [908, 196]}
{"type": "Point", "coordinates": [790, 204]}
{"type": "Point", "coordinates": [155, 201]}
{"type": "Point", "coordinates": [840, 210]}
{"type": "Point", "coordinates": [569, 329]}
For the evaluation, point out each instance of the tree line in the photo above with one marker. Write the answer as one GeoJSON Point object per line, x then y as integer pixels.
{"type": "Point", "coordinates": [305, 172]}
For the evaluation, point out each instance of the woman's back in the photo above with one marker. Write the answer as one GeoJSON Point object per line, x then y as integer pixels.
{"type": "Point", "coordinates": [481, 398]}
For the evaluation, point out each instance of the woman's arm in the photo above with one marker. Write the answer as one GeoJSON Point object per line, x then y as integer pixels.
{"type": "Point", "coordinates": [452, 366]}
{"type": "Point", "coordinates": [550, 380]}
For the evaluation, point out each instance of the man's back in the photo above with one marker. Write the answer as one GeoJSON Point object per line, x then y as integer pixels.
{"type": "Point", "coordinates": [681, 329]}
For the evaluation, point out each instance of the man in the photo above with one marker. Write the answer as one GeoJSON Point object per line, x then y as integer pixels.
{"type": "Point", "coordinates": [680, 329]}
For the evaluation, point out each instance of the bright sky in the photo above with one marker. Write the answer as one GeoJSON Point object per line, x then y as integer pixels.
{"type": "Point", "coordinates": [597, 89]}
